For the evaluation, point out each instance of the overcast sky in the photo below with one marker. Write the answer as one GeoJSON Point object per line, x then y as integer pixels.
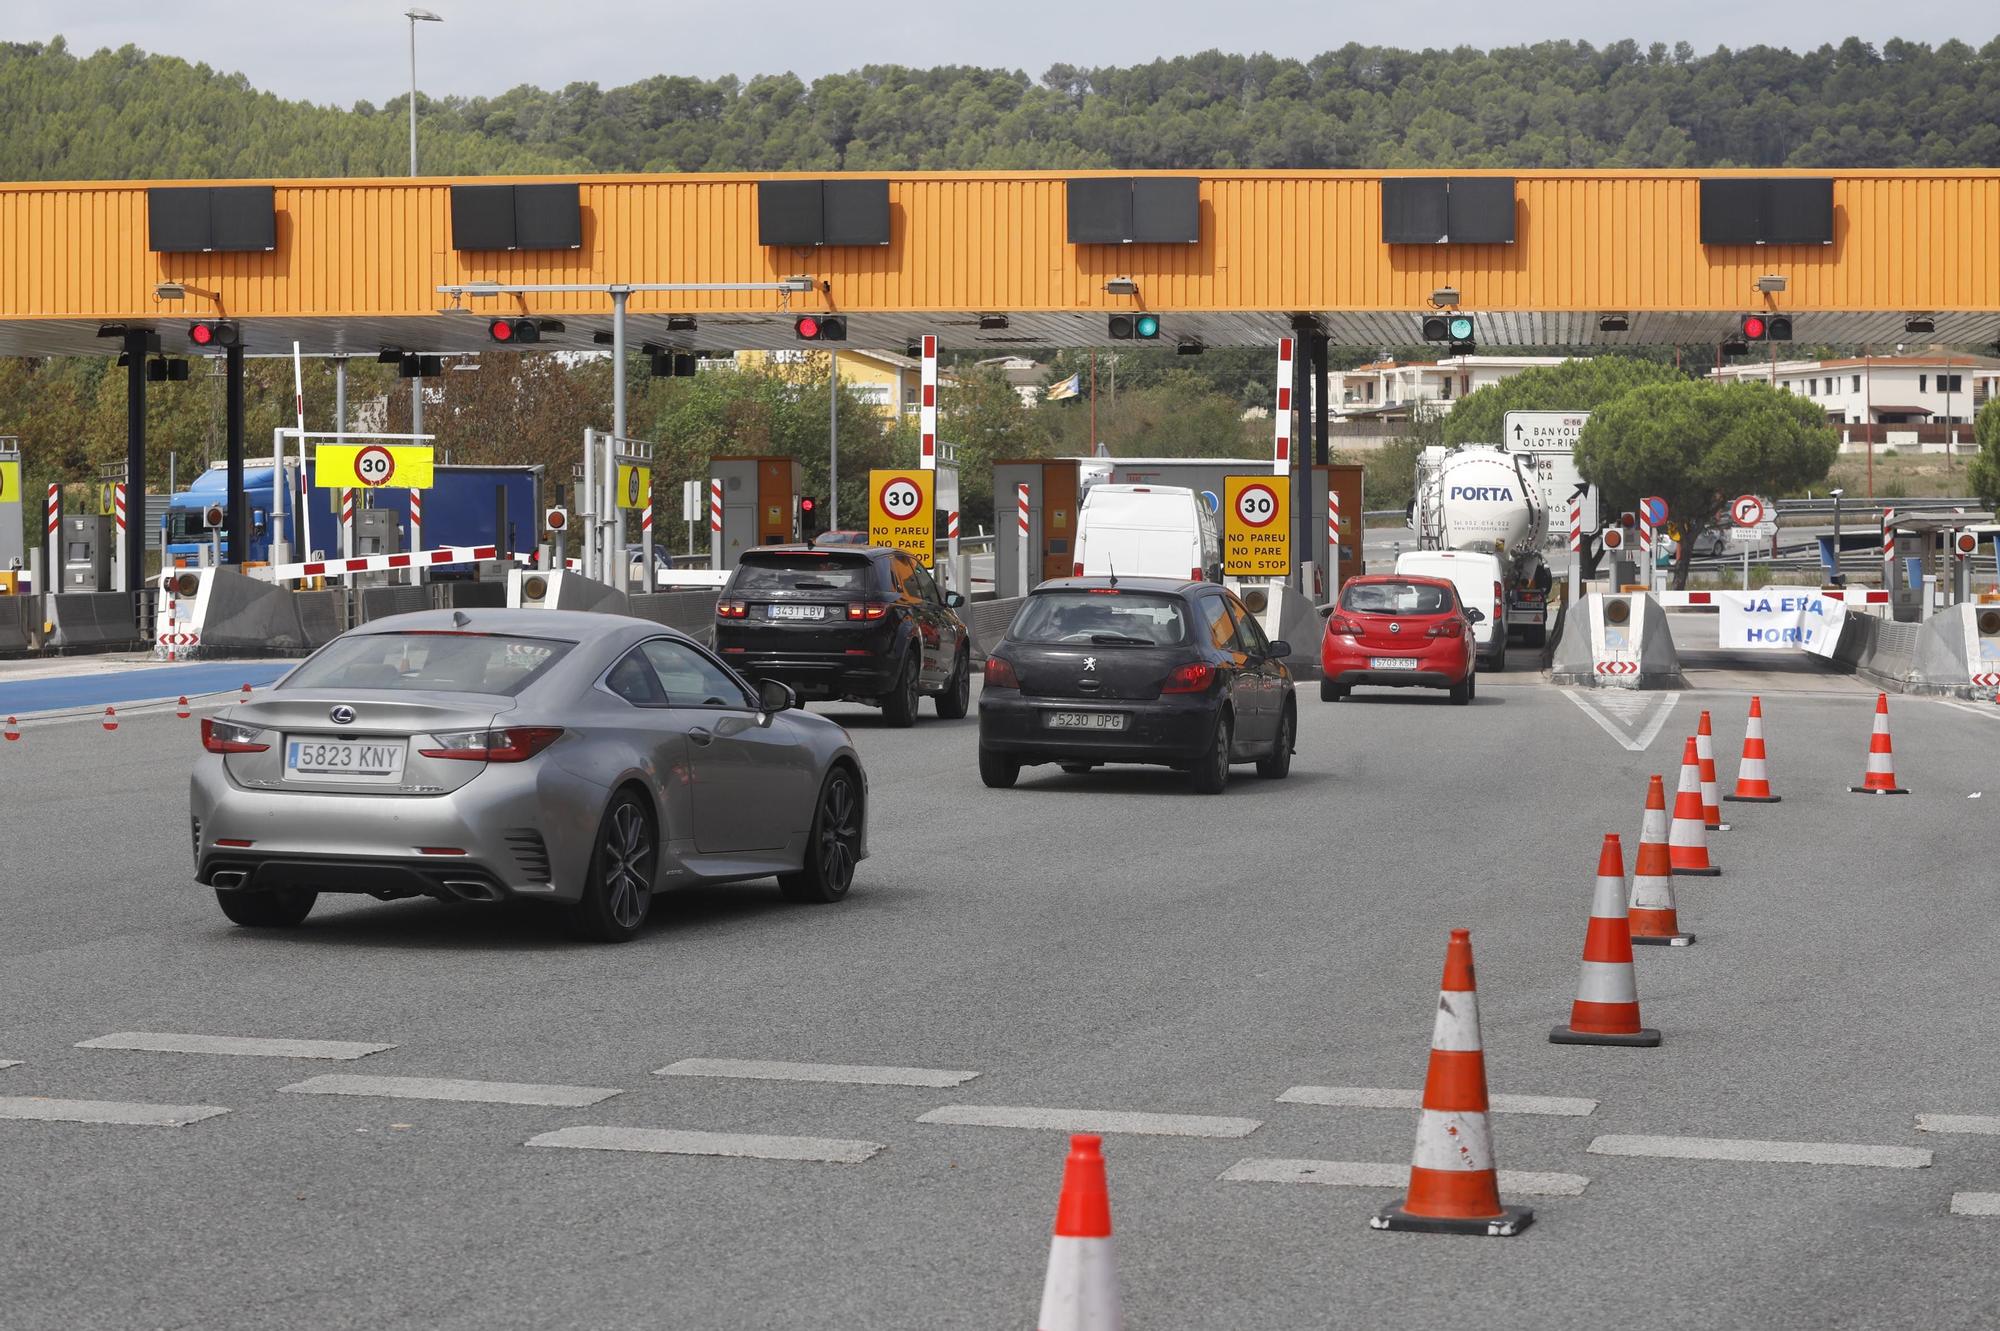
{"type": "Point", "coordinates": [344, 50]}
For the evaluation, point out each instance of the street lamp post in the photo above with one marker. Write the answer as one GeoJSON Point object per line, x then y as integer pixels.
{"type": "Point", "coordinates": [415, 16]}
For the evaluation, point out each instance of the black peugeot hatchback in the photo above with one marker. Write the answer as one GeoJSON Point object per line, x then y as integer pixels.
{"type": "Point", "coordinates": [1136, 670]}
{"type": "Point", "coordinates": [861, 623]}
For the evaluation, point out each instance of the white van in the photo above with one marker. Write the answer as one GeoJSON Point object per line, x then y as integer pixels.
{"type": "Point", "coordinates": [1479, 579]}
{"type": "Point", "coordinates": [1147, 531]}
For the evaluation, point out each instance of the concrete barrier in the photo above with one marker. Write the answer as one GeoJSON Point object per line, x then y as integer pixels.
{"type": "Point", "coordinates": [92, 619]}
{"type": "Point", "coordinates": [17, 623]}
{"type": "Point", "coordinates": [321, 615]}
{"type": "Point", "coordinates": [381, 602]}
{"type": "Point", "coordinates": [487, 594]}
{"type": "Point", "coordinates": [692, 612]}
{"type": "Point", "coordinates": [557, 590]}
{"type": "Point", "coordinates": [1955, 652]}
{"type": "Point", "coordinates": [236, 614]}
{"type": "Point", "coordinates": [1286, 614]}
{"type": "Point", "coordinates": [987, 621]}
{"type": "Point", "coordinates": [1620, 641]}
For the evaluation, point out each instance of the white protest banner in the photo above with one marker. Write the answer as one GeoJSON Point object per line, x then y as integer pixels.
{"type": "Point", "coordinates": [1780, 619]}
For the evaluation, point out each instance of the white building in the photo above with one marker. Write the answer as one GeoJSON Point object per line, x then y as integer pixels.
{"type": "Point", "coordinates": [1395, 390]}
{"type": "Point", "coordinates": [1929, 389]}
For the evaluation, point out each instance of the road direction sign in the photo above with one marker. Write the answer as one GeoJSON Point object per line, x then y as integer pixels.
{"type": "Point", "coordinates": [1257, 526]}
{"type": "Point", "coordinates": [370, 466]}
{"type": "Point", "coordinates": [1533, 431]}
{"type": "Point", "coordinates": [1747, 510]}
{"type": "Point", "coordinates": [902, 503]}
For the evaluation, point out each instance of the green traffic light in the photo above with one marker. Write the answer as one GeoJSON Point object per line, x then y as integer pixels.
{"type": "Point", "coordinates": [1148, 325]}
{"type": "Point", "coordinates": [1461, 328]}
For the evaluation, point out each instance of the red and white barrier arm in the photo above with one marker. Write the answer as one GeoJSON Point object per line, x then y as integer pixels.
{"type": "Point", "coordinates": [1682, 600]}
{"type": "Point", "coordinates": [317, 568]}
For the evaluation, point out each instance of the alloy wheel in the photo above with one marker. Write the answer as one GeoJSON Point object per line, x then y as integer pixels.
{"type": "Point", "coordinates": [627, 865]}
{"type": "Point", "coordinates": [839, 832]}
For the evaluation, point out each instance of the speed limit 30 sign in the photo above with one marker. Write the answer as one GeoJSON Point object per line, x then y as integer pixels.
{"type": "Point", "coordinates": [371, 466]}
{"type": "Point", "coordinates": [902, 506]}
{"type": "Point", "coordinates": [1257, 526]}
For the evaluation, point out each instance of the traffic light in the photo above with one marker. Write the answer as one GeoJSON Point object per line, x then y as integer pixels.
{"type": "Point", "coordinates": [1457, 329]}
{"type": "Point", "coordinates": [1765, 328]}
{"type": "Point", "coordinates": [161, 370]}
{"type": "Point", "coordinates": [1131, 327]}
{"type": "Point", "coordinates": [820, 328]}
{"type": "Point", "coordinates": [1965, 544]}
{"type": "Point", "coordinates": [808, 515]}
{"type": "Point", "coordinates": [514, 332]}
{"type": "Point", "coordinates": [672, 364]}
{"type": "Point", "coordinates": [556, 519]}
{"type": "Point", "coordinates": [215, 333]}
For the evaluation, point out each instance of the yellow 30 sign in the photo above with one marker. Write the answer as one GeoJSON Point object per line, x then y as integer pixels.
{"type": "Point", "coordinates": [1257, 526]}
{"type": "Point", "coordinates": [372, 466]}
{"type": "Point", "coordinates": [902, 510]}
{"type": "Point", "coordinates": [10, 482]}
{"type": "Point", "coordinates": [635, 486]}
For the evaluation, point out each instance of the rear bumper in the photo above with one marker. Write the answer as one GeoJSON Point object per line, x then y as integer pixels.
{"type": "Point", "coordinates": [1161, 731]}
{"type": "Point", "coordinates": [819, 675]}
{"type": "Point", "coordinates": [1397, 679]}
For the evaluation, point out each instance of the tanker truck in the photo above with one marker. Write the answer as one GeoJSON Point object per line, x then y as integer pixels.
{"type": "Point", "coordinates": [1480, 499]}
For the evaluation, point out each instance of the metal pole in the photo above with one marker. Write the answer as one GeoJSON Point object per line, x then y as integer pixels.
{"type": "Point", "coordinates": [413, 93]}
{"type": "Point", "coordinates": [647, 581]}
{"type": "Point", "coordinates": [137, 344]}
{"type": "Point", "coordinates": [833, 439]}
{"type": "Point", "coordinates": [347, 496]}
{"type": "Point", "coordinates": [1091, 450]}
{"type": "Point", "coordinates": [1302, 516]}
{"type": "Point", "coordinates": [587, 502]}
{"type": "Point", "coordinates": [619, 297]}
{"type": "Point", "coordinates": [280, 492]}
{"type": "Point", "coordinates": [238, 512]}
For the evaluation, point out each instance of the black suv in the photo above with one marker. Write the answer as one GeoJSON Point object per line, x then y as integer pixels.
{"type": "Point", "coordinates": [862, 624]}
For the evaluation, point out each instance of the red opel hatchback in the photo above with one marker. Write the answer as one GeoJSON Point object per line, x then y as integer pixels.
{"type": "Point", "coordinates": [1401, 631]}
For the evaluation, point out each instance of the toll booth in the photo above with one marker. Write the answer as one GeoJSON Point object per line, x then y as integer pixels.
{"type": "Point", "coordinates": [86, 552]}
{"type": "Point", "coordinates": [760, 502]}
{"type": "Point", "coordinates": [1349, 482]}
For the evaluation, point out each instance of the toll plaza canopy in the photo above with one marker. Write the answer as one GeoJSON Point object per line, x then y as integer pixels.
{"type": "Point", "coordinates": [993, 259]}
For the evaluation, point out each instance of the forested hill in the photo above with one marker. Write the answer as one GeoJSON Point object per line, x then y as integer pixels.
{"type": "Point", "coordinates": [125, 114]}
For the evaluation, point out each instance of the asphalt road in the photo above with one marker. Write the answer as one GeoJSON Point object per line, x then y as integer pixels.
{"type": "Point", "coordinates": [1106, 942]}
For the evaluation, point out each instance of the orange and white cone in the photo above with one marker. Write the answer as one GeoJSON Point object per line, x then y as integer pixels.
{"type": "Point", "coordinates": [1687, 837]}
{"type": "Point", "coordinates": [1753, 784]}
{"type": "Point", "coordinates": [13, 730]}
{"type": "Point", "coordinates": [1653, 915]}
{"type": "Point", "coordinates": [1880, 779]}
{"type": "Point", "coordinates": [1080, 1292]}
{"type": "Point", "coordinates": [1606, 1010]}
{"type": "Point", "coordinates": [181, 707]}
{"type": "Point", "coordinates": [110, 718]}
{"type": "Point", "coordinates": [1454, 1185]}
{"type": "Point", "coordinates": [1704, 751]}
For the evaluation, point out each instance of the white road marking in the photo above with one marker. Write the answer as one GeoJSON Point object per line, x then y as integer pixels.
{"type": "Point", "coordinates": [248, 1045]}
{"type": "Point", "coordinates": [448, 1088]}
{"type": "Point", "coordinates": [1376, 1097]}
{"type": "Point", "coordinates": [42, 1109]}
{"type": "Point", "coordinates": [10, 1062]}
{"type": "Point", "coordinates": [670, 1141]}
{"type": "Point", "coordinates": [848, 1074]}
{"type": "Point", "coordinates": [1368, 1174]}
{"type": "Point", "coordinates": [1781, 1153]}
{"type": "Point", "coordinates": [1092, 1120]}
{"type": "Point", "coordinates": [1990, 713]}
{"type": "Point", "coordinates": [1597, 709]}
{"type": "Point", "coordinates": [1980, 1124]}
{"type": "Point", "coordinates": [1975, 1203]}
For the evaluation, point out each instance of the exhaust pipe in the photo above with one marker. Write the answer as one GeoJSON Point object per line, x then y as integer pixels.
{"type": "Point", "coordinates": [228, 878]}
{"type": "Point", "coordinates": [471, 891]}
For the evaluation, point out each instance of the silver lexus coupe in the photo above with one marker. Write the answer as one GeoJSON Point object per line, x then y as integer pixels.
{"type": "Point", "coordinates": [585, 760]}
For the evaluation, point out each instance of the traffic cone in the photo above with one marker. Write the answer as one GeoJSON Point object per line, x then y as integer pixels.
{"type": "Point", "coordinates": [1606, 1010]}
{"type": "Point", "coordinates": [1752, 785]}
{"type": "Point", "coordinates": [1454, 1186]}
{"type": "Point", "coordinates": [1687, 837]}
{"type": "Point", "coordinates": [1880, 779]}
{"type": "Point", "coordinates": [1654, 919]}
{"type": "Point", "coordinates": [1704, 750]}
{"type": "Point", "coordinates": [111, 718]}
{"type": "Point", "coordinates": [13, 730]}
{"type": "Point", "coordinates": [181, 707]}
{"type": "Point", "coordinates": [1080, 1292]}
{"type": "Point", "coordinates": [246, 692]}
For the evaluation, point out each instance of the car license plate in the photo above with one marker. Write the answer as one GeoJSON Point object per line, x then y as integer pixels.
{"type": "Point", "coordinates": [1085, 721]}
{"type": "Point", "coordinates": [795, 612]}
{"type": "Point", "coordinates": [1392, 663]}
{"type": "Point", "coordinates": [311, 758]}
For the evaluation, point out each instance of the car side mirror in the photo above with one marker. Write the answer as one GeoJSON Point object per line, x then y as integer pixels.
{"type": "Point", "coordinates": [954, 599]}
{"type": "Point", "coordinates": [773, 696]}
{"type": "Point", "coordinates": [1476, 616]}
{"type": "Point", "coordinates": [1278, 649]}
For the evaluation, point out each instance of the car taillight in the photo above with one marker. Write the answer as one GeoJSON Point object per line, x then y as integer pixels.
{"type": "Point", "coordinates": [1342, 624]}
{"type": "Point", "coordinates": [1499, 601]}
{"type": "Point", "coordinates": [731, 610]}
{"type": "Point", "coordinates": [1446, 628]}
{"type": "Point", "coordinates": [1000, 673]}
{"type": "Point", "coordinates": [230, 737]}
{"type": "Point", "coordinates": [513, 744]}
{"type": "Point", "coordinates": [867, 610]}
{"type": "Point", "coordinates": [1194, 677]}
{"type": "Point", "coordinates": [1076, 571]}
{"type": "Point", "coordinates": [1194, 575]}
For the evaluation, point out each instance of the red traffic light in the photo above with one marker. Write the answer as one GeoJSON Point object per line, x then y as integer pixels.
{"type": "Point", "coordinates": [1967, 544]}
{"type": "Point", "coordinates": [501, 330]}
{"type": "Point", "coordinates": [807, 327]}
{"type": "Point", "coordinates": [214, 334]}
{"type": "Point", "coordinates": [808, 505]}
{"type": "Point", "coordinates": [514, 330]}
{"type": "Point", "coordinates": [820, 328]}
{"type": "Point", "coordinates": [1754, 327]}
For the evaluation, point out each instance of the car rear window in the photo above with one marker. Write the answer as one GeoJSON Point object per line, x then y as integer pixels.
{"type": "Point", "coordinates": [1102, 618]}
{"type": "Point", "coordinates": [781, 571]}
{"type": "Point", "coordinates": [1398, 598]}
{"type": "Point", "coordinates": [444, 662]}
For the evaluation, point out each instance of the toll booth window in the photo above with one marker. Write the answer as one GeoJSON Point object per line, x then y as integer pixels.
{"type": "Point", "coordinates": [436, 662]}
{"type": "Point", "coordinates": [1136, 619]}
{"type": "Point", "coordinates": [1397, 598]}
{"type": "Point", "coordinates": [789, 571]}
